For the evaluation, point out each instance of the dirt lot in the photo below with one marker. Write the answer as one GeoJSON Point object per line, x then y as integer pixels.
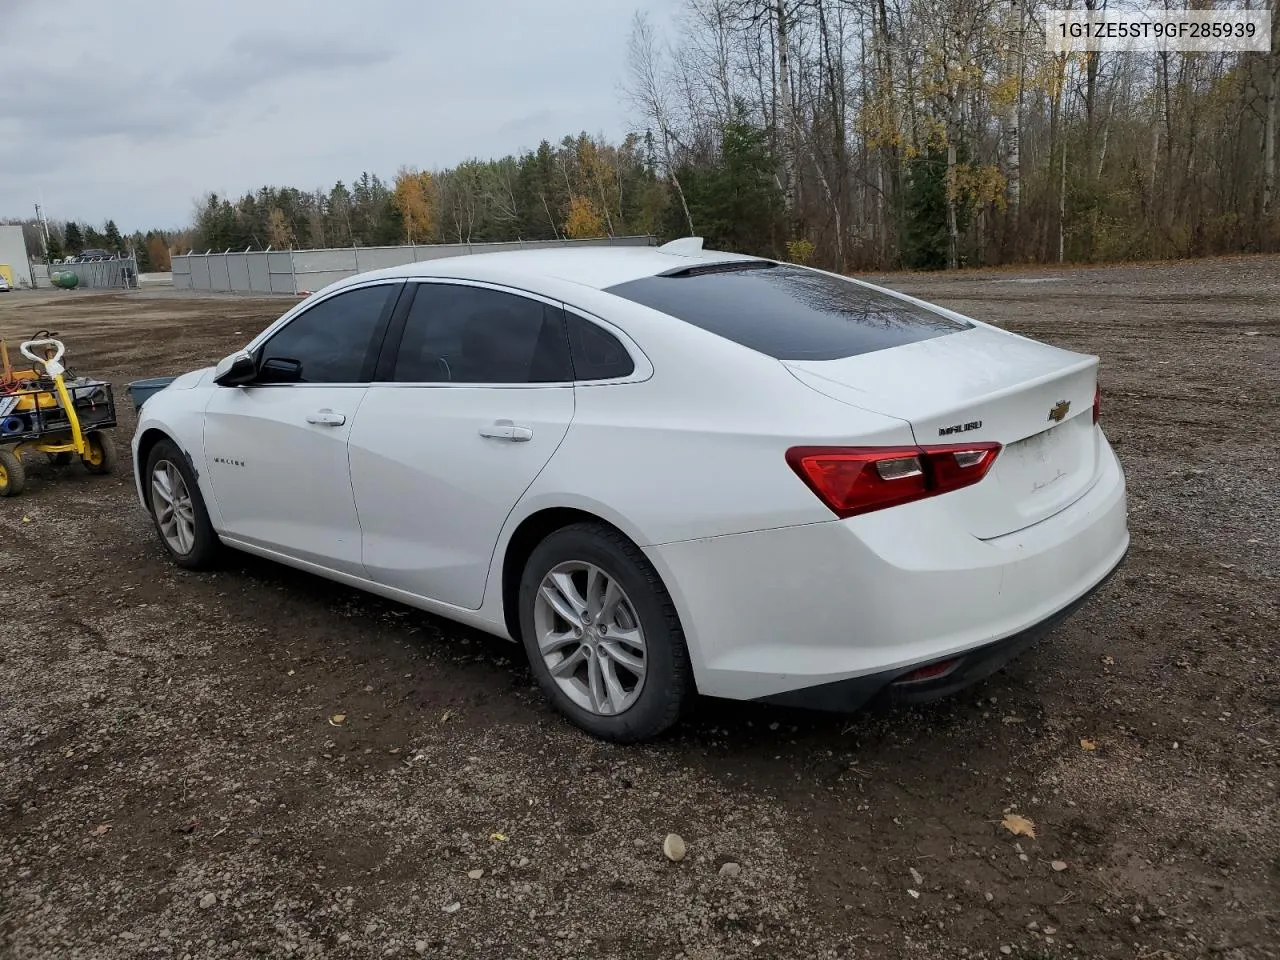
{"type": "Point", "coordinates": [170, 784]}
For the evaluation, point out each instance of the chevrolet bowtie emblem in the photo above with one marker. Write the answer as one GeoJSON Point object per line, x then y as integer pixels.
{"type": "Point", "coordinates": [1059, 410]}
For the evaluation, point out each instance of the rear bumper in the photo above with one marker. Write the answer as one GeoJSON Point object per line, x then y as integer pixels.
{"type": "Point", "coordinates": [966, 669]}
{"type": "Point", "coordinates": [857, 603]}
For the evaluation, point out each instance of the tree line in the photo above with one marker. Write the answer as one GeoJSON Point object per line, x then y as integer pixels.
{"type": "Point", "coordinates": [852, 134]}
{"type": "Point", "coordinates": [581, 187]}
{"type": "Point", "coordinates": [937, 133]}
{"type": "Point", "coordinates": [858, 134]}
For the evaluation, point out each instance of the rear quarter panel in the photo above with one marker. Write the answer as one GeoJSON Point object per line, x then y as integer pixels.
{"type": "Point", "coordinates": [697, 449]}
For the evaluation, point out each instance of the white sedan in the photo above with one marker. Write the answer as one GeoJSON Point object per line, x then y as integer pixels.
{"type": "Point", "coordinates": [662, 470]}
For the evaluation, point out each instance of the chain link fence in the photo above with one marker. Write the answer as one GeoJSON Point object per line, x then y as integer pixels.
{"type": "Point", "coordinates": [298, 271]}
{"type": "Point", "coordinates": [118, 274]}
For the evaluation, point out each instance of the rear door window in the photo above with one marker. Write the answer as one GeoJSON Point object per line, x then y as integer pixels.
{"type": "Point", "coordinates": [462, 334]}
{"type": "Point", "coordinates": [788, 312]}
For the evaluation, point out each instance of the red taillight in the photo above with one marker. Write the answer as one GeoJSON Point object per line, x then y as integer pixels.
{"type": "Point", "coordinates": [1097, 403]}
{"type": "Point", "coordinates": [855, 480]}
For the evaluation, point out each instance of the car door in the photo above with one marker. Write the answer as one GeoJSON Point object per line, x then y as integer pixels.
{"type": "Point", "coordinates": [473, 400]}
{"type": "Point", "coordinates": [276, 449]}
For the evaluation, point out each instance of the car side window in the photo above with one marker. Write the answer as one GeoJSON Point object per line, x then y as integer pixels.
{"type": "Point", "coordinates": [462, 334]}
{"type": "Point", "coordinates": [597, 353]}
{"type": "Point", "coordinates": [329, 343]}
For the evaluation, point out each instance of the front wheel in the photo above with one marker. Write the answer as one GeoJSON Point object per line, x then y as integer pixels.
{"type": "Point", "coordinates": [178, 509]}
{"type": "Point", "coordinates": [602, 634]}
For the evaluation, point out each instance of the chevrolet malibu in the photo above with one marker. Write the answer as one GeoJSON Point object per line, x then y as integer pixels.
{"type": "Point", "coordinates": [661, 470]}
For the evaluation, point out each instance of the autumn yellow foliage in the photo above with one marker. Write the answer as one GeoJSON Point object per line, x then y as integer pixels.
{"type": "Point", "coordinates": [279, 230]}
{"type": "Point", "coordinates": [800, 251]}
{"type": "Point", "coordinates": [159, 253]}
{"type": "Point", "coordinates": [584, 219]}
{"type": "Point", "coordinates": [415, 198]}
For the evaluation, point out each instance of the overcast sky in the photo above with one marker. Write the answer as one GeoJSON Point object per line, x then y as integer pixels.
{"type": "Point", "coordinates": [132, 109]}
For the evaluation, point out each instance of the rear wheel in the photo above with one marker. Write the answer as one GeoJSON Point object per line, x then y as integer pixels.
{"type": "Point", "coordinates": [178, 509]}
{"type": "Point", "coordinates": [12, 475]}
{"type": "Point", "coordinates": [602, 634]}
{"type": "Point", "coordinates": [100, 453]}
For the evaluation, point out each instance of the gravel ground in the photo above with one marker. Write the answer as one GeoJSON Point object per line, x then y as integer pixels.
{"type": "Point", "coordinates": [172, 783]}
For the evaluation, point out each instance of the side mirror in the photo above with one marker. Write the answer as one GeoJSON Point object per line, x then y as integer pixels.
{"type": "Point", "coordinates": [235, 370]}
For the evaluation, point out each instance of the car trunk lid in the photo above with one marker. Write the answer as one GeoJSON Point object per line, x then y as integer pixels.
{"type": "Point", "coordinates": [983, 384]}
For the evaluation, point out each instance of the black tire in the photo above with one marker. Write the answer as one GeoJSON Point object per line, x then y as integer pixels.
{"type": "Point", "coordinates": [100, 458]}
{"type": "Point", "coordinates": [206, 548]}
{"type": "Point", "coordinates": [668, 675]}
{"type": "Point", "coordinates": [13, 477]}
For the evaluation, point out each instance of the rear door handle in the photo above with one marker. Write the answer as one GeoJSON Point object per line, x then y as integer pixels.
{"type": "Point", "coordinates": [506, 430]}
{"type": "Point", "coordinates": [327, 418]}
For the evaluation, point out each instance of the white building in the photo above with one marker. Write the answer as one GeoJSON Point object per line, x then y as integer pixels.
{"type": "Point", "coordinates": [13, 254]}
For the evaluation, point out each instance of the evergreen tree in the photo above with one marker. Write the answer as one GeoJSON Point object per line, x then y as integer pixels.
{"type": "Point", "coordinates": [337, 223]}
{"type": "Point", "coordinates": [141, 253]}
{"type": "Point", "coordinates": [219, 227]}
{"type": "Point", "coordinates": [111, 237]}
{"type": "Point", "coordinates": [73, 239]}
{"type": "Point", "coordinates": [736, 203]}
{"type": "Point", "coordinates": [924, 213]}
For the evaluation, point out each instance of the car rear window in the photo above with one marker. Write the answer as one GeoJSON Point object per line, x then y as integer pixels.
{"type": "Point", "coordinates": [787, 312]}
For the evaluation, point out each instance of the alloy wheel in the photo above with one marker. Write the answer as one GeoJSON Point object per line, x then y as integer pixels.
{"type": "Point", "coordinates": [590, 637]}
{"type": "Point", "coordinates": [174, 511]}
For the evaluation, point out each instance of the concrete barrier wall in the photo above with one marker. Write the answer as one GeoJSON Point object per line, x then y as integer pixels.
{"type": "Point", "coordinates": [293, 271]}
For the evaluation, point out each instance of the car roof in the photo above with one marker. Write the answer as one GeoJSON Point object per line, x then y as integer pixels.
{"type": "Point", "coordinates": [597, 267]}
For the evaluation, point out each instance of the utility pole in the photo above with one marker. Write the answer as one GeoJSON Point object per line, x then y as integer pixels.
{"type": "Point", "coordinates": [44, 225]}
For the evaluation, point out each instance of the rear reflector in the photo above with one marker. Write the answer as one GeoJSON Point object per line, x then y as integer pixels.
{"type": "Point", "coordinates": [1097, 403]}
{"type": "Point", "coordinates": [856, 480]}
{"type": "Point", "coordinates": [932, 672]}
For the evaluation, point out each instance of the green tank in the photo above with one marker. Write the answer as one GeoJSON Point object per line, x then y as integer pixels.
{"type": "Point", "coordinates": [65, 279]}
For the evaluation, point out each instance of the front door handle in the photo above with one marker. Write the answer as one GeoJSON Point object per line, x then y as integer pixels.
{"type": "Point", "coordinates": [506, 430]}
{"type": "Point", "coordinates": [327, 418]}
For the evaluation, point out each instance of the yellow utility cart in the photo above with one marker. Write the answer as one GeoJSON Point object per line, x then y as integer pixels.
{"type": "Point", "coordinates": [44, 408]}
